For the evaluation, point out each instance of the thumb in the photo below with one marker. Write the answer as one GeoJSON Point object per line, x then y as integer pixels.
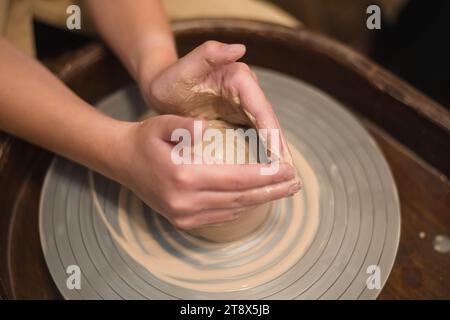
{"type": "Point", "coordinates": [209, 56]}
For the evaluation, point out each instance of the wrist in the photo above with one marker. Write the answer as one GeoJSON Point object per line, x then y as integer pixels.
{"type": "Point", "coordinates": [112, 159]}
{"type": "Point", "coordinates": [153, 55]}
{"type": "Point", "coordinates": [154, 58]}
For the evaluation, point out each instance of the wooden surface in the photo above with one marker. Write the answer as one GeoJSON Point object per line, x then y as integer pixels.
{"type": "Point", "coordinates": [395, 114]}
{"type": "Point", "coordinates": [419, 272]}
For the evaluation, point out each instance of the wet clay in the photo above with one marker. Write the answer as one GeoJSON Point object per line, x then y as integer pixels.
{"type": "Point", "coordinates": [249, 220]}
{"type": "Point", "coordinates": [223, 114]}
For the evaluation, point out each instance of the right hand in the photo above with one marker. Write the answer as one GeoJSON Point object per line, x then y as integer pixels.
{"type": "Point", "coordinates": [192, 195]}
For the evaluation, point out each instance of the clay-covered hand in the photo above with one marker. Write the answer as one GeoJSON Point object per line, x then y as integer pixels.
{"type": "Point", "coordinates": [209, 68]}
{"type": "Point", "coordinates": [192, 195]}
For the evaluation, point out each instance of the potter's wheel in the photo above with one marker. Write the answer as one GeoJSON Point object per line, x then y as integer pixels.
{"type": "Point", "coordinates": [322, 249]}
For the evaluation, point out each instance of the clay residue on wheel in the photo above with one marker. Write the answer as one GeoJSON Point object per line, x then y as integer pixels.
{"type": "Point", "coordinates": [194, 263]}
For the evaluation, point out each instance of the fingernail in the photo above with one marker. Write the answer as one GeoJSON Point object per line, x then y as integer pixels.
{"type": "Point", "coordinates": [285, 172]}
{"type": "Point", "coordinates": [232, 48]}
{"type": "Point", "coordinates": [294, 188]}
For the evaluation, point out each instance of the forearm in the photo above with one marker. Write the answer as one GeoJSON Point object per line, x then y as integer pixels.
{"type": "Point", "coordinates": [138, 32]}
{"type": "Point", "coordinates": [38, 107]}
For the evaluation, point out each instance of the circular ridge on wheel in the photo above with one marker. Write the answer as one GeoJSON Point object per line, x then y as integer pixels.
{"type": "Point", "coordinates": [358, 214]}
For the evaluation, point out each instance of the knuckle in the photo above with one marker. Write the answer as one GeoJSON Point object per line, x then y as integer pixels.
{"type": "Point", "coordinates": [254, 76]}
{"type": "Point", "coordinates": [182, 178]}
{"type": "Point", "coordinates": [210, 47]}
{"type": "Point", "coordinates": [240, 199]}
{"type": "Point", "coordinates": [241, 70]}
{"type": "Point", "coordinates": [177, 205]}
{"type": "Point", "coordinates": [183, 223]}
{"type": "Point", "coordinates": [243, 67]}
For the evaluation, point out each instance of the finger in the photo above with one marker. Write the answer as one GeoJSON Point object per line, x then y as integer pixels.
{"type": "Point", "coordinates": [209, 56]}
{"type": "Point", "coordinates": [254, 76]}
{"type": "Point", "coordinates": [216, 216]}
{"type": "Point", "coordinates": [238, 199]}
{"type": "Point", "coordinates": [254, 101]}
{"type": "Point", "coordinates": [231, 177]}
{"type": "Point", "coordinates": [210, 216]}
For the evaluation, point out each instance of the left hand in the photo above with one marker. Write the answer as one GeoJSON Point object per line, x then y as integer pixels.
{"type": "Point", "coordinates": [211, 68]}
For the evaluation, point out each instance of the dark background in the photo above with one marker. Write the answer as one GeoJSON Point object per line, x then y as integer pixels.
{"type": "Point", "coordinates": [416, 46]}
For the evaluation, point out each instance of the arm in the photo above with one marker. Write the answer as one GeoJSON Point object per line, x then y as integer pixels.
{"type": "Point", "coordinates": [38, 107]}
{"type": "Point", "coordinates": [139, 34]}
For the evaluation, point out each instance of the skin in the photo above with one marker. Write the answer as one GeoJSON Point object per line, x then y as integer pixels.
{"type": "Point", "coordinates": [39, 108]}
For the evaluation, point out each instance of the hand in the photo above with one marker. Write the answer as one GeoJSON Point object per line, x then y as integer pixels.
{"type": "Point", "coordinates": [191, 195]}
{"type": "Point", "coordinates": [210, 68]}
